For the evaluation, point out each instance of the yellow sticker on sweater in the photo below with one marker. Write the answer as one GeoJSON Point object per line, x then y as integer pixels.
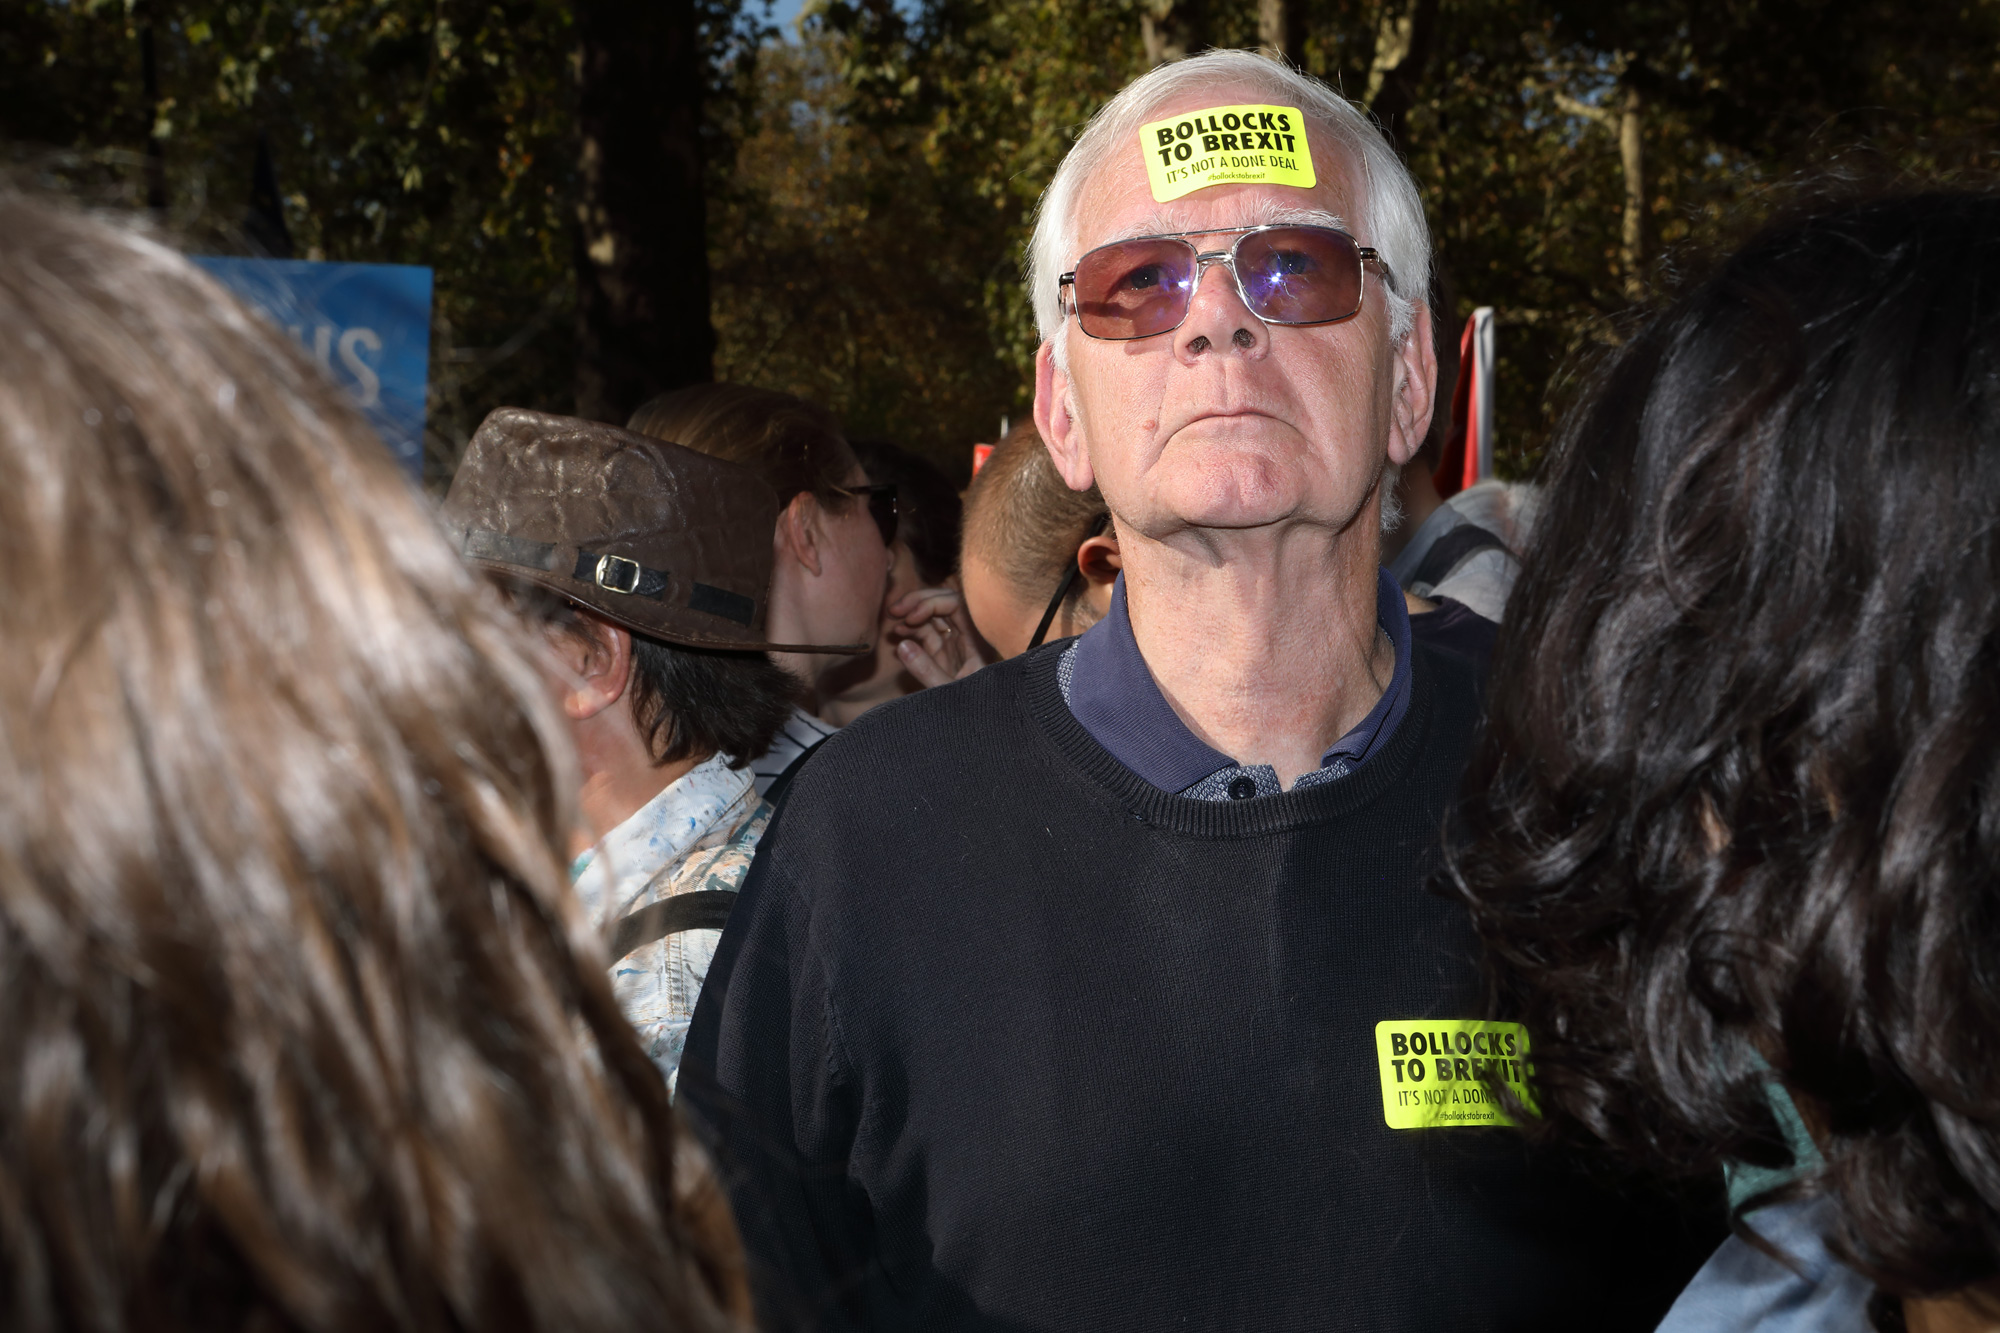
{"type": "Point", "coordinates": [1227, 145]}
{"type": "Point", "coordinates": [1435, 1071]}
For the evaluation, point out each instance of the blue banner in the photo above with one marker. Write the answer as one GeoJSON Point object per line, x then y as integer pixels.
{"type": "Point", "coordinates": [368, 326]}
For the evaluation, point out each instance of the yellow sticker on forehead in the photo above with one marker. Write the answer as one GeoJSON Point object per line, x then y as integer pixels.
{"type": "Point", "coordinates": [1227, 145]}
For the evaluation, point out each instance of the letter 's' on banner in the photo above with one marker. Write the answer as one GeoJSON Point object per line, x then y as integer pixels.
{"type": "Point", "coordinates": [367, 325]}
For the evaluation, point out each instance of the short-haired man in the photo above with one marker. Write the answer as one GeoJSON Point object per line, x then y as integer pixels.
{"type": "Point", "coordinates": [1029, 537]}
{"type": "Point", "coordinates": [646, 567]}
{"type": "Point", "coordinates": [1100, 990]}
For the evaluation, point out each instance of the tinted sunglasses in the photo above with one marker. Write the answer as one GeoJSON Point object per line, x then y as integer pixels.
{"type": "Point", "coordinates": [1286, 274]}
{"type": "Point", "coordinates": [881, 506]}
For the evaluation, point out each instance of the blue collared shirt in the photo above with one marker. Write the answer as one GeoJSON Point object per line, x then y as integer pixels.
{"type": "Point", "coordinates": [1743, 1290]}
{"type": "Point", "coordinates": [1110, 690]}
{"type": "Point", "coordinates": [698, 833]}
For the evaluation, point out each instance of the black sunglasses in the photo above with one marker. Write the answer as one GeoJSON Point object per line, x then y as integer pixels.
{"type": "Point", "coordinates": [881, 506]}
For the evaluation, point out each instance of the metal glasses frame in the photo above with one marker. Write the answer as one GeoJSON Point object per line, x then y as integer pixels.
{"type": "Point", "coordinates": [1227, 258]}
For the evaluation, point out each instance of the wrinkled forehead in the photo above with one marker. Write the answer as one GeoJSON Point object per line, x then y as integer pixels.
{"type": "Point", "coordinates": [1258, 209]}
{"type": "Point", "coordinates": [1116, 199]}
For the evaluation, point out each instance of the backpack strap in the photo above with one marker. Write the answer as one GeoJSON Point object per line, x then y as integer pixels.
{"type": "Point", "coordinates": [701, 909]}
{"type": "Point", "coordinates": [1450, 551]}
{"type": "Point", "coordinates": [784, 779]}
{"type": "Point", "coordinates": [705, 909]}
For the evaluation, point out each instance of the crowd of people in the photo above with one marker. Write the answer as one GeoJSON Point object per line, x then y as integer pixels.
{"type": "Point", "coordinates": [710, 874]}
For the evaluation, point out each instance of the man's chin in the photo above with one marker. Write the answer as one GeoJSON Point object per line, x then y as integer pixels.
{"type": "Point", "coordinates": [1267, 510]}
{"type": "Point", "coordinates": [1234, 514]}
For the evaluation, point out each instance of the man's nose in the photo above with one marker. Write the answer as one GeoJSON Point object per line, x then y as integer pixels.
{"type": "Point", "coordinates": [1218, 320]}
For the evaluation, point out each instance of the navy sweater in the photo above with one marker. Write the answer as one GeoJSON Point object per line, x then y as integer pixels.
{"type": "Point", "coordinates": [1000, 1037]}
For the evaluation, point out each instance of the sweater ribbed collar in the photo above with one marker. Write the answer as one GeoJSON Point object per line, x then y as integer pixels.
{"type": "Point", "coordinates": [1113, 693]}
{"type": "Point", "coordinates": [1388, 769]}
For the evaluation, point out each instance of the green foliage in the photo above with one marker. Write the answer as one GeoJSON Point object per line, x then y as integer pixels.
{"type": "Point", "coordinates": [1745, 107]}
{"type": "Point", "coordinates": [434, 132]}
{"type": "Point", "coordinates": [927, 133]}
{"type": "Point", "coordinates": [868, 248]}
{"type": "Point", "coordinates": [873, 183]}
{"type": "Point", "coordinates": [429, 133]}
{"type": "Point", "coordinates": [847, 269]}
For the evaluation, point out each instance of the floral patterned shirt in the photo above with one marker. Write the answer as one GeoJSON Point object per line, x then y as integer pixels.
{"type": "Point", "coordinates": [700, 832]}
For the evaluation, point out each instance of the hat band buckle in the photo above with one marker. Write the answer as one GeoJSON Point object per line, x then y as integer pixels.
{"type": "Point", "coordinates": [615, 570]}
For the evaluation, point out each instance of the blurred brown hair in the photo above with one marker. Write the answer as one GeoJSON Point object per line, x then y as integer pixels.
{"type": "Point", "coordinates": [791, 443]}
{"type": "Point", "coordinates": [1022, 519]}
{"type": "Point", "coordinates": [302, 1027]}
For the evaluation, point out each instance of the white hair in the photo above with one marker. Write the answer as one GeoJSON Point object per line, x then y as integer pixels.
{"type": "Point", "coordinates": [1391, 213]}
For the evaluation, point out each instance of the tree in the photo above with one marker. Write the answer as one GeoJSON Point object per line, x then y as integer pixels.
{"type": "Point", "coordinates": [435, 132]}
{"type": "Point", "coordinates": [642, 307]}
{"type": "Point", "coordinates": [869, 189]}
{"type": "Point", "coordinates": [1274, 28]}
{"type": "Point", "coordinates": [869, 243]}
{"type": "Point", "coordinates": [1403, 36]}
{"type": "Point", "coordinates": [1172, 29]}
{"type": "Point", "coordinates": [1622, 117]}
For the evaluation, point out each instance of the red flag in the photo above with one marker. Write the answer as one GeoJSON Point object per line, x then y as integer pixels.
{"type": "Point", "coordinates": [1468, 449]}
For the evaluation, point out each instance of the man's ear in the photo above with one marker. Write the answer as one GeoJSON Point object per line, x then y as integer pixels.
{"type": "Point", "coordinates": [1098, 559]}
{"type": "Point", "coordinates": [1416, 389]}
{"type": "Point", "coordinates": [597, 663]}
{"type": "Point", "coordinates": [1061, 430]}
{"type": "Point", "coordinates": [798, 534]}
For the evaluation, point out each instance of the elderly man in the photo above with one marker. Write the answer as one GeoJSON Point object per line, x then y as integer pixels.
{"type": "Point", "coordinates": [1100, 990]}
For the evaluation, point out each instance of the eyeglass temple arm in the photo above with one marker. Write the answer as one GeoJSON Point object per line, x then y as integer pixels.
{"type": "Point", "coordinates": [1097, 527]}
{"type": "Point", "coordinates": [1368, 252]}
{"type": "Point", "coordinates": [1055, 604]}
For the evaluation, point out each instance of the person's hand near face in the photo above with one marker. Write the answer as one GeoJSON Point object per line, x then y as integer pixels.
{"type": "Point", "coordinates": [935, 637]}
{"type": "Point", "coordinates": [924, 638]}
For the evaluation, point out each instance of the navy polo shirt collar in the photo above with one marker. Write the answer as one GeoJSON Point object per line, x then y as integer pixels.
{"type": "Point", "coordinates": [1113, 694]}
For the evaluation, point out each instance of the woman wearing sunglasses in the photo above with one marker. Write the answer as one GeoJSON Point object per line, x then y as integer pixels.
{"type": "Point", "coordinates": [833, 540]}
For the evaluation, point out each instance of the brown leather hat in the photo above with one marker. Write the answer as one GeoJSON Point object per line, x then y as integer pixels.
{"type": "Point", "coordinates": [667, 542]}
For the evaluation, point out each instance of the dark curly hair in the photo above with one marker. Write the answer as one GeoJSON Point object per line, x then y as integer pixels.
{"type": "Point", "coordinates": [1736, 811]}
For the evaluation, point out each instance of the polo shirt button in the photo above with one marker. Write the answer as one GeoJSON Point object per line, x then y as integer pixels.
{"type": "Point", "coordinates": [1243, 788]}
